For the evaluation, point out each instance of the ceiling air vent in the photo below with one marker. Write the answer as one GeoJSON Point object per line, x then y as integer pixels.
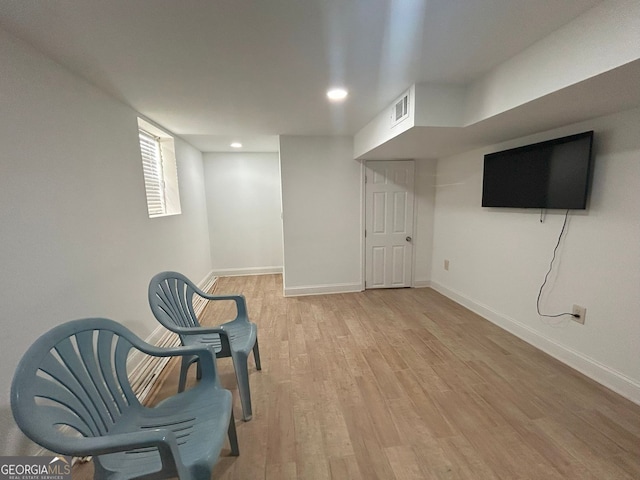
{"type": "Point", "coordinates": [400, 109]}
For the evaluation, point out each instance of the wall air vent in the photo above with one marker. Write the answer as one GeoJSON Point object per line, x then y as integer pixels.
{"type": "Point", "coordinates": [400, 109]}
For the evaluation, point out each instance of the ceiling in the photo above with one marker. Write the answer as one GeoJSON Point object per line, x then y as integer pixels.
{"type": "Point", "coordinates": [239, 70]}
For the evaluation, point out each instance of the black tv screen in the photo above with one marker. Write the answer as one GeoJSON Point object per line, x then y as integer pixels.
{"type": "Point", "coordinates": [551, 174]}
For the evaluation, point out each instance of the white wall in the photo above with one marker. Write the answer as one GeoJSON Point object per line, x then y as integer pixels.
{"type": "Point", "coordinates": [244, 209]}
{"type": "Point", "coordinates": [499, 256]}
{"type": "Point", "coordinates": [75, 238]}
{"type": "Point", "coordinates": [439, 105]}
{"type": "Point", "coordinates": [425, 196]}
{"type": "Point", "coordinates": [321, 202]}
{"type": "Point", "coordinates": [601, 39]}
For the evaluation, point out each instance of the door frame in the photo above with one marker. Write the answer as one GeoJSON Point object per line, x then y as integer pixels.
{"type": "Point", "coordinates": [363, 222]}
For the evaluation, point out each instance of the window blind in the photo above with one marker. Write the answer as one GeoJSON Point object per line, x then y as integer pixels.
{"type": "Point", "coordinates": [153, 173]}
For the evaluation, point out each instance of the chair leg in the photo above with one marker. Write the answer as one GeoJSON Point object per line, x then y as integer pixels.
{"type": "Point", "coordinates": [184, 368]}
{"type": "Point", "coordinates": [242, 375]}
{"type": "Point", "coordinates": [233, 436]}
{"type": "Point", "coordinates": [256, 355]}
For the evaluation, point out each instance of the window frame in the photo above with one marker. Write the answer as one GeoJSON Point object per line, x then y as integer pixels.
{"type": "Point", "coordinates": [159, 168]}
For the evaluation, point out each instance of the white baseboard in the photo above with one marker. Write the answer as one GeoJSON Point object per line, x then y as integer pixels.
{"type": "Point", "coordinates": [156, 335]}
{"type": "Point", "coordinates": [208, 278]}
{"type": "Point", "coordinates": [421, 283]}
{"type": "Point", "coordinates": [235, 272]}
{"type": "Point", "coordinates": [610, 378]}
{"type": "Point", "coordinates": [323, 289]}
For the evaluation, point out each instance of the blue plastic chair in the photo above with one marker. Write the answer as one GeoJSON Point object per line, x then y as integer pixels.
{"type": "Point", "coordinates": [171, 299]}
{"type": "Point", "coordinates": [71, 395]}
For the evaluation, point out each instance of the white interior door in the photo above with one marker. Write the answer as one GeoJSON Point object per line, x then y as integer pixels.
{"type": "Point", "coordinates": [389, 224]}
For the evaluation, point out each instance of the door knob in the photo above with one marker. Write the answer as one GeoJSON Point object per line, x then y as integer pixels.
{"type": "Point", "coordinates": [408, 239]}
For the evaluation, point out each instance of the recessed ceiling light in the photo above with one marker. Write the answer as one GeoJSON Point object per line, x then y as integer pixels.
{"type": "Point", "coordinates": [236, 145]}
{"type": "Point", "coordinates": [337, 94]}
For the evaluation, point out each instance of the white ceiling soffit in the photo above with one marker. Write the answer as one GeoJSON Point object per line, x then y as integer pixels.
{"type": "Point", "coordinates": [617, 91]}
{"type": "Point", "coordinates": [255, 67]}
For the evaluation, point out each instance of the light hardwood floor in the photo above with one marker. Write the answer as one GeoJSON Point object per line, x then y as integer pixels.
{"type": "Point", "coordinates": [406, 384]}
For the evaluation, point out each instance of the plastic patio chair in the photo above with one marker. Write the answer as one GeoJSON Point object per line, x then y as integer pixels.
{"type": "Point", "coordinates": [71, 394]}
{"type": "Point", "coordinates": [171, 299]}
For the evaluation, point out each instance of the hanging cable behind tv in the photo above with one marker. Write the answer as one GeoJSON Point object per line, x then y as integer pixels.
{"type": "Point", "coordinates": [546, 277]}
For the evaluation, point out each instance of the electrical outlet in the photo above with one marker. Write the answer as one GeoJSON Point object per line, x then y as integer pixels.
{"type": "Point", "coordinates": [581, 311]}
{"type": "Point", "coordinates": [446, 265]}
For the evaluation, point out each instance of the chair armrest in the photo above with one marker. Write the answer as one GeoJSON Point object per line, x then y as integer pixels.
{"type": "Point", "coordinates": [180, 351]}
{"type": "Point", "coordinates": [241, 302]}
{"type": "Point", "coordinates": [198, 330]}
{"type": "Point", "coordinates": [207, 356]}
{"type": "Point", "coordinates": [164, 440]}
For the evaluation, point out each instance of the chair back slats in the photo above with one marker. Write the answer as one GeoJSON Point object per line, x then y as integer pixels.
{"type": "Point", "coordinates": [171, 300]}
{"type": "Point", "coordinates": [106, 363]}
{"type": "Point", "coordinates": [88, 350]}
{"type": "Point", "coordinates": [174, 302]}
{"type": "Point", "coordinates": [120, 363]}
{"type": "Point", "coordinates": [75, 377]}
{"type": "Point", "coordinates": [65, 406]}
{"type": "Point", "coordinates": [69, 375]}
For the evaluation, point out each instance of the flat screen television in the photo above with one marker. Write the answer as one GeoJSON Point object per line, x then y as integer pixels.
{"type": "Point", "coordinates": [551, 174]}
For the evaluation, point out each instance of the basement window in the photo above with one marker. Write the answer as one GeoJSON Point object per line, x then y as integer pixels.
{"type": "Point", "coordinates": [158, 152]}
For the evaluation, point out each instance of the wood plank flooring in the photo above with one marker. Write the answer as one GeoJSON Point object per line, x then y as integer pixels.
{"type": "Point", "coordinates": [406, 384]}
